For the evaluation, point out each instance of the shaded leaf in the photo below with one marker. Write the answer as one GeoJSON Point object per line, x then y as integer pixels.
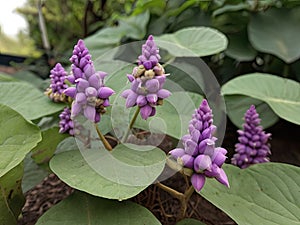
{"type": "Point", "coordinates": [276, 31]}
{"type": "Point", "coordinates": [237, 105]}
{"type": "Point", "coordinates": [281, 94]}
{"type": "Point", "coordinates": [193, 41]}
{"type": "Point", "coordinates": [27, 100]}
{"type": "Point", "coordinates": [11, 196]}
{"type": "Point", "coordinates": [266, 193]}
{"type": "Point", "coordinates": [83, 209]}
{"type": "Point", "coordinates": [190, 221]}
{"type": "Point", "coordinates": [17, 138]}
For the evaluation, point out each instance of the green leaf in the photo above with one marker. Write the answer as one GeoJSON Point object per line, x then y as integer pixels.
{"type": "Point", "coordinates": [6, 78]}
{"type": "Point", "coordinates": [68, 144]}
{"type": "Point", "coordinates": [190, 221]}
{"type": "Point", "coordinates": [29, 77]}
{"type": "Point", "coordinates": [17, 138]}
{"type": "Point", "coordinates": [231, 8]}
{"type": "Point", "coordinates": [33, 174]}
{"type": "Point", "coordinates": [27, 100]}
{"type": "Point", "coordinates": [237, 105]}
{"type": "Point", "coordinates": [266, 193]}
{"type": "Point", "coordinates": [193, 41]}
{"type": "Point", "coordinates": [281, 94]}
{"type": "Point", "coordinates": [43, 152]}
{"type": "Point", "coordinates": [11, 196]}
{"type": "Point", "coordinates": [276, 31]}
{"type": "Point", "coordinates": [122, 166]}
{"type": "Point", "coordinates": [239, 48]}
{"type": "Point", "coordinates": [83, 209]}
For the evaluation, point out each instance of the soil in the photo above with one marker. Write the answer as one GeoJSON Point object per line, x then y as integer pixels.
{"type": "Point", "coordinates": [285, 148]}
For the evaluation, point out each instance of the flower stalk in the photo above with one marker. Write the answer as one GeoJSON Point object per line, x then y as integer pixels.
{"type": "Point", "coordinates": [103, 139]}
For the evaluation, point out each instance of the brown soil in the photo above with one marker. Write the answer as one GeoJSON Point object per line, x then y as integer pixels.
{"type": "Point", "coordinates": [52, 190]}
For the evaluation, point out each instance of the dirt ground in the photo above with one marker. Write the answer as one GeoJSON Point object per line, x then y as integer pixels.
{"type": "Point", "coordinates": [285, 148]}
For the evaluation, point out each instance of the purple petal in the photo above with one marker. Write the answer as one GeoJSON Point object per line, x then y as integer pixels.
{"type": "Point", "coordinates": [177, 152]}
{"type": "Point", "coordinates": [198, 181]}
{"type": "Point", "coordinates": [152, 85]}
{"type": "Point", "coordinates": [71, 79]}
{"type": "Point", "coordinates": [71, 92]}
{"type": "Point", "coordinates": [222, 178]}
{"type": "Point", "coordinates": [141, 100]}
{"type": "Point", "coordinates": [163, 93]}
{"type": "Point", "coordinates": [80, 98]}
{"type": "Point", "coordinates": [210, 147]}
{"type": "Point", "coordinates": [125, 93]}
{"type": "Point", "coordinates": [186, 160]}
{"type": "Point", "coordinates": [95, 81]}
{"type": "Point", "coordinates": [202, 162]}
{"type": "Point", "coordinates": [90, 113]}
{"type": "Point", "coordinates": [152, 98]}
{"type": "Point", "coordinates": [191, 147]}
{"type": "Point", "coordinates": [131, 99]}
{"type": "Point", "coordinates": [91, 92]}
{"type": "Point", "coordinates": [130, 77]}
{"type": "Point", "coordinates": [105, 92]}
{"type": "Point", "coordinates": [82, 84]}
{"type": "Point", "coordinates": [75, 110]}
{"type": "Point", "coordinates": [89, 70]}
{"type": "Point", "coordinates": [147, 64]}
{"type": "Point", "coordinates": [146, 111]}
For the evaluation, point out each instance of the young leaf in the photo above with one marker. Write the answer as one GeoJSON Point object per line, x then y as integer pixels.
{"type": "Point", "coordinates": [17, 138]}
{"type": "Point", "coordinates": [281, 94]}
{"type": "Point", "coordinates": [266, 193]}
{"type": "Point", "coordinates": [83, 209]}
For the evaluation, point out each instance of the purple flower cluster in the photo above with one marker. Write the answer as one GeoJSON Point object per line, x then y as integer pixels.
{"type": "Point", "coordinates": [58, 76]}
{"type": "Point", "coordinates": [199, 152]}
{"type": "Point", "coordinates": [253, 146]}
{"type": "Point", "coordinates": [89, 94]}
{"type": "Point", "coordinates": [147, 81]}
{"type": "Point", "coordinates": [65, 123]}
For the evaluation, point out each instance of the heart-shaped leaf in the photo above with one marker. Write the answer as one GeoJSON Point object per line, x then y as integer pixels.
{"type": "Point", "coordinates": [266, 193]}
{"type": "Point", "coordinates": [17, 138]}
{"type": "Point", "coordinates": [281, 94]}
{"type": "Point", "coordinates": [121, 174]}
{"type": "Point", "coordinates": [83, 209]}
{"type": "Point", "coordinates": [276, 31]}
{"type": "Point", "coordinates": [27, 100]}
{"type": "Point", "coordinates": [193, 42]}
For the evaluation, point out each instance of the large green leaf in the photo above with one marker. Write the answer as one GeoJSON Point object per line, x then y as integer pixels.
{"type": "Point", "coordinates": [17, 138]}
{"type": "Point", "coordinates": [276, 31]}
{"type": "Point", "coordinates": [11, 196]}
{"type": "Point", "coordinates": [27, 100]}
{"type": "Point", "coordinates": [193, 41]}
{"type": "Point", "coordinates": [43, 152]}
{"type": "Point", "coordinates": [83, 209]}
{"type": "Point", "coordinates": [237, 105]}
{"type": "Point", "coordinates": [266, 193]}
{"type": "Point", "coordinates": [6, 78]}
{"type": "Point", "coordinates": [281, 94]}
{"type": "Point", "coordinates": [121, 167]}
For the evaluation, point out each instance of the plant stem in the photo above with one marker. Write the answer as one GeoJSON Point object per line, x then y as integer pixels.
{"type": "Point", "coordinates": [131, 124]}
{"type": "Point", "coordinates": [103, 139]}
{"type": "Point", "coordinates": [171, 191]}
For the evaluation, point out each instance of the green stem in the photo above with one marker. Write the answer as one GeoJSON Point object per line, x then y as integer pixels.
{"type": "Point", "coordinates": [131, 124]}
{"type": "Point", "coordinates": [171, 191]}
{"type": "Point", "coordinates": [103, 139]}
{"type": "Point", "coordinates": [286, 70]}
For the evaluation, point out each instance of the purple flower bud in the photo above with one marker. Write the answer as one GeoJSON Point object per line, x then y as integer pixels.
{"type": "Point", "coordinates": [198, 181]}
{"type": "Point", "coordinates": [146, 111]}
{"type": "Point", "coordinates": [253, 140]}
{"type": "Point", "coordinates": [105, 92]}
{"type": "Point", "coordinates": [177, 152]}
{"type": "Point", "coordinates": [65, 123]}
{"type": "Point", "coordinates": [186, 160]}
{"type": "Point", "coordinates": [201, 163]}
{"type": "Point", "coordinates": [190, 147]}
{"type": "Point", "coordinates": [71, 92]}
{"type": "Point", "coordinates": [222, 178]}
